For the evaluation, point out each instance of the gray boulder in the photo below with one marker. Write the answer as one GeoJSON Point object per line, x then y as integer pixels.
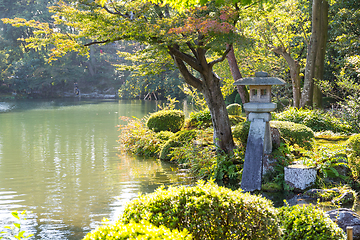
{"type": "Point", "coordinates": [345, 217]}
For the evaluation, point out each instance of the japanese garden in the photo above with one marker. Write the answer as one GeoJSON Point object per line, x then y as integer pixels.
{"type": "Point", "coordinates": [179, 119]}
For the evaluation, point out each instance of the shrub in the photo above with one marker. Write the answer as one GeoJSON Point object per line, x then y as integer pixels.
{"type": "Point", "coordinates": [353, 143]}
{"type": "Point", "coordinates": [201, 119]}
{"type": "Point", "coordinates": [176, 141]}
{"type": "Point", "coordinates": [132, 230]}
{"type": "Point", "coordinates": [164, 135]}
{"type": "Point", "coordinates": [307, 222]}
{"type": "Point", "coordinates": [166, 120]}
{"type": "Point", "coordinates": [241, 132]}
{"type": "Point", "coordinates": [207, 211]}
{"type": "Point", "coordinates": [136, 138]}
{"type": "Point", "coordinates": [317, 120]}
{"type": "Point", "coordinates": [234, 109]}
{"type": "Point", "coordinates": [295, 133]}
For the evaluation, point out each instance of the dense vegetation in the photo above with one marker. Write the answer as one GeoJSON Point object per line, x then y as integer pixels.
{"type": "Point", "coordinates": [148, 38]}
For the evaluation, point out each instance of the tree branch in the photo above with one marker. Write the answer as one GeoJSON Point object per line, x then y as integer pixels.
{"type": "Point", "coordinates": [174, 50]}
{"type": "Point", "coordinates": [188, 77]}
{"type": "Point", "coordinates": [222, 58]}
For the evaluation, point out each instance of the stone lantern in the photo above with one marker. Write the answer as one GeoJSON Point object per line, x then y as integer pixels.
{"type": "Point", "coordinates": [259, 139]}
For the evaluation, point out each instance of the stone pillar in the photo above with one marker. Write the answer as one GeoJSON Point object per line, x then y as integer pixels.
{"type": "Point", "coordinates": [259, 142]}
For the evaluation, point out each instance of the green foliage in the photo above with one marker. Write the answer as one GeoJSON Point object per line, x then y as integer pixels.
{"type": "Point", "coordinates": [207, 211]}
{"type": "Point", "coordinates": [203, 162]}
{"type": "Point", "coordinates": [353, 143]}
{"type": "Point", "coordinates": [176, 141]}
{"type": "Point", "coordinates": [234, 109]}
{"type": "Point", "coordinates": [307, 222]}
{"type": "Point", "coordinates": [14, 232]}
{"type": "Point", "coordinates": [200, 119]}
{"type": "Point", "coordinates": [164, 135]}
{"type": "Point", "coordinates": [166, 120]}
{"type": "Point", "coordinates": [274, 178]}
{"type": "Point", "coordinates": [295, 133]}
{"type": "Point", "coordinates": [136, 138]}
{"type": "Point", "coordinates": [142, 230]}
{"type": "Point", "coordinates": [317, 120]}
{"type": "Point", "coordinates": [328, 160]}
{"type": "Point", "coordinates": [338, 195]}
{"type": "Point", "coordinates": [241, 132]}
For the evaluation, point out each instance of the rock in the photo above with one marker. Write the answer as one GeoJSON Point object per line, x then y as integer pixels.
{"type": "Point", "coordinates": [299, 177]}
{"type": "Point", "coordinates": [344, 198]}
{"type": "Point", "coordinates": [344, 217]}
{"type": "Point", "coordinates": [275, 137]}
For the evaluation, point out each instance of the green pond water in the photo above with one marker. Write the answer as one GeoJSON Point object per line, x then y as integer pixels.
{"type": "Point", "coordinates": [60, 161]}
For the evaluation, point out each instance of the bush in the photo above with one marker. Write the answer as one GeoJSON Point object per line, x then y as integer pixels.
{"type": "Point", "coordinates": [136, 138]}
{"type": "Point", "coordinates": [234, 109]}
{"type": "Point", "coordinates": [164, 135]}
{"type": "Point", "coordinates": [241, 132]}
{"type": "Point", "coordinates": [317, 120]}
{"type": "Point", "coordinates": [295, 133]}
{"type": "Point", "coordinates": [207, 211]}
{"type": "Point", "coordinates": [166, 120]}
{"type": "Point", "coordinates": [353, 143]}
{"type": "Point", "coordinates": [307, 222]}
{"type": "Point", "coordinates": [176, 141]}
{"type": "Point", "coordinates": [201, 119]}
{"type": "Point", "coordinates": [132, 230]}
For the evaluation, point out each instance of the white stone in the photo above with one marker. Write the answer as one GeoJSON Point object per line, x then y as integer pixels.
{"type": "Point", "coordinates": [299, 176]}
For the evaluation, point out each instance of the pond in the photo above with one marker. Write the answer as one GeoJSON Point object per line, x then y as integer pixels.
{"type": "Point", "coordinates": [60, 161]}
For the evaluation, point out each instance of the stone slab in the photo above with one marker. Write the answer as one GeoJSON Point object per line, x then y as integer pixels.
{"type": "Point", "coordinates": [252, 171]}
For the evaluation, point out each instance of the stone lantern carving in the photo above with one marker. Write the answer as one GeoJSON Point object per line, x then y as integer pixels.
{"type": "Point", "coordinates": [259, 139]}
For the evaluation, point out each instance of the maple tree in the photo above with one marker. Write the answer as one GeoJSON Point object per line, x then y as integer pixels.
{"type": "Point", "coordinates": [195, 39]}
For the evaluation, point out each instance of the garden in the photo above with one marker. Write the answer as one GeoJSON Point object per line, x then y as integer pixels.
{"type": "Point", "coordinates": [215, 207]}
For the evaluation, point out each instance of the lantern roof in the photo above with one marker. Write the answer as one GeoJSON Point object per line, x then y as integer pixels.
{"type": "Point", "coordinates": [261, 78]}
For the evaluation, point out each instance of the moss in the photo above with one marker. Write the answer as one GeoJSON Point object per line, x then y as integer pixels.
{"type": "Point", "coordinates": [271, 187]}
{"type": "Point", "coordinates": [353, 143]}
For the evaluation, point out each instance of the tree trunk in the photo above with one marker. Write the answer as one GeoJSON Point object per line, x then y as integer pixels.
{"type": "Point", "coordinates": [308, 90]}
{"type": "Point", "coordinates": [209, 86]}
{"type": "Point", "coordinates": [235, 72]}
{"type": "Point", "coordinates": [294, 74]}
{"type": "Point", "coordinates": [222, 131]}
{"type": "Point", "coordinates": [320, 53]}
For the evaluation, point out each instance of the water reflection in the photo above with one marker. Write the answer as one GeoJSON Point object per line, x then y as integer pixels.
{"type": "Point", "coordinates": [60, 161]}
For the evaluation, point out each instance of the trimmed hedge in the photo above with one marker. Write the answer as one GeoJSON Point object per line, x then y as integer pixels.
{"type": "Point", "coordinates": [353, 143]}
{"type": "Point", "coordinates": [207, 211]}
{"type": "Point", "coordinates": [295, 133]}
{"type": "Point", "coordinates": [176, 141]}
{"type": "Point", "coordinates": [317, 120]}
{"type": "Point", "coordinates": [241, 132]}
{"type": "Point", "coordinates": [166, 120]}
{"type": "Point", "coordinates": [307, 222]}
{"type": "Point", "coordinates": [201, 119]}
{"type": "Point", "coordinates": [132, 231]}
{"type": "Point", "coordinates": [234, 109]}
{"type": "Point", "coordinates": [292, 132]}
